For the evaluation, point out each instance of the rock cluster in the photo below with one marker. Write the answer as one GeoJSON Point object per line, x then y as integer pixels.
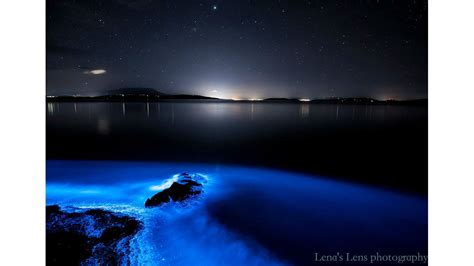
{"type": "Point", "coordinates": [93, 236]}
{"type": "Point", "coordinates": [187, 186]}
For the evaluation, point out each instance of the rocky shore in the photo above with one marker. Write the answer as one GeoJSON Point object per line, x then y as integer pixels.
{"type": "Point", "coordinates": [77, 236]}
{"type": "Point", "coordinates": [92, 236]}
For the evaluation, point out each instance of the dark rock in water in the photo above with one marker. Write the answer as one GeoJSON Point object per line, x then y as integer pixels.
{"type": "Point", "coordinates": [93, 236]}
{"type": "Point", "coordinates": [52, 209]}
{"type": "Point", "coordinates": [184, 188]}
{"type": "Point", "coordinates": [67, 248]}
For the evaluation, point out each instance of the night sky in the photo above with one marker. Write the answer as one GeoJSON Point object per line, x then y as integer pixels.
{"type": "Point", "coordinates": [239, 49]}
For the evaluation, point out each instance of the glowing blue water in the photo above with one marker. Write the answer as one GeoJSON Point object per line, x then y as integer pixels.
{"type": "Point", "coordinates": [247, 216]}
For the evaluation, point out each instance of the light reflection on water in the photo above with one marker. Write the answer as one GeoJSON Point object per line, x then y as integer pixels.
{"type": "Point", "coordinates": [247, 216]}
{"type": "Point", "coordinates": [113, 116]}
{"type": "Point", "coordinates": [304, 110]}
{"type": "Point", "coordinates": [231, 110]}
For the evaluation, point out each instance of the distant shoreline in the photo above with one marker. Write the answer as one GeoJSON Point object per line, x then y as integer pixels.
{"type": "Point", "coordinates": [196, 98]}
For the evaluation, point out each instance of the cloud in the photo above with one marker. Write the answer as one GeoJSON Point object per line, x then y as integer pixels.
{"type": "Point", "coordinates": [95, 72]}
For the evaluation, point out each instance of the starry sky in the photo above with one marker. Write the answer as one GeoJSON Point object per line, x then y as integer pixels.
{"type": "Point", "coordinates": [239, 49]}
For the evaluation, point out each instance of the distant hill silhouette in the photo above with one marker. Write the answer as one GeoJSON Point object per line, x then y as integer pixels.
{"type": "Point", "coordinates": [350, 100]}
{"type": "Point", "coordinates": [367, 100]}
{"type": "Point", "coordinates": [149, 94]}
{"type": "Point", "coordinates": [281, 100]}
{"type": "Point", "coordinates": [131, 94]}
{"type": "Point", "coordinates": [135, 91]}
{"type": "Point", "coordinates": [187, 96]}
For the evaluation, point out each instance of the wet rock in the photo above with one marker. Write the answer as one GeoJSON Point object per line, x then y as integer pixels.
{"type": "Point", "coordinates": [187, 186]}
{"type": "Point", "coordinates": [67, 248]}
{"type": "Point", "coordinates": [52, 209]}
{"type": "Point", "coordinates": [87, 237]}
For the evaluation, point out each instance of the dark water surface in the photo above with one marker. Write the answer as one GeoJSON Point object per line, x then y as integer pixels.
{"type": "Point", "coordinates": [382, 145]}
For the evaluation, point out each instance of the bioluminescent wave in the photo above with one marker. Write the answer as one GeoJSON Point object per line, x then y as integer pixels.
{"type": "Point", "coordinates": [246, 216]}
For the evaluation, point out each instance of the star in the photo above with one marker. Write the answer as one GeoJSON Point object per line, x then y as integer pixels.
{"type": "Point", "coordinates": [214, 7]}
